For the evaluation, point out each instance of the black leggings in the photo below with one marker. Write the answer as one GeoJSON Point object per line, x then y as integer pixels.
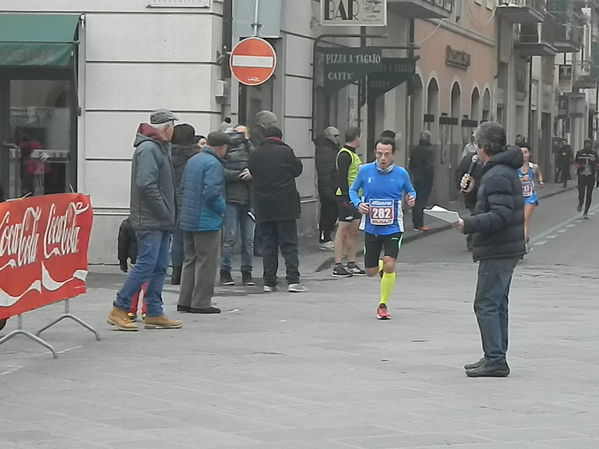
{"type": "Point", "coordinates": [585, 187]}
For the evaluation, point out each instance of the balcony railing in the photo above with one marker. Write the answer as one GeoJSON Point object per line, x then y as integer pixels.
{"type": "Point", "coordinates": [537, 39]}
{"type": "Point", "coordinates": [422, 9]}
{"type": "Point", "coordinates": [585, 76]}
{"type": "Point", "coordinates": [522, 11]}
{"type": "Point", "coordinates": [447, 5]}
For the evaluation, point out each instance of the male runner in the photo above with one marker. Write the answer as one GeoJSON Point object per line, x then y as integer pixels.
{"type": "Point", "coordinates": [383, 185]}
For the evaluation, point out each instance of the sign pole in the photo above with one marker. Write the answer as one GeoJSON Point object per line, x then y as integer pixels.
{"type": "Point", "coordinates": [21, 331]}
{"type": "Point", "coordinates": [72, 317]}
{"type": "Point", "coordinates": [256, 25]}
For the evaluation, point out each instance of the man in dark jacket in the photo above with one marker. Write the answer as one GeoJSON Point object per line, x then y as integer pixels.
{"type": "Point", "coordinates": [274, 168]}
{"type": "Point", "coordinates": [498, 243]}
{"type": "Point", "coordinates": [237, 216]}
{"type": "Point", "coordinates": [586, 162]}
{"type": "Point", "coordinates": [152, 216]}
{"type": "Point", "coordinates": [201, 219]}
{"type": "Point", "coordinates": [563, 160]}
{"type": "Point", "coordinates": [326, 148]}
{"type": "Point", "coordinates": [183, 148]}
{"type": "Point", "coordinates": [422, 169]}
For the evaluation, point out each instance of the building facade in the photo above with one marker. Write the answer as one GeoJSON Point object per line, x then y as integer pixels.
{"type": "Point", "coordinates": [77, 77]}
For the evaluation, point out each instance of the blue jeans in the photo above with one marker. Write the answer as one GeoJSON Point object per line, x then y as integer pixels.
{"type": "Point", "coordinates": [238, 223]}
{"type": "Point", "coordinates": [150, 267]}
{"type": "Point", "coordinates": [177, 248]}
{"type": "Point", "coordinates": [491, 306]}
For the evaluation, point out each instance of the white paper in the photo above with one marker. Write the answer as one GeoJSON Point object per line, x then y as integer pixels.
{"type": "Point", "coordinates": [441, 213]}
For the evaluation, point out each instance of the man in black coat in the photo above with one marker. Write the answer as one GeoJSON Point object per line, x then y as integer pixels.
{"type": "Point", "coordinates": [422, 169]}
{"type": "Point", "coordinates": [326, 149]}
{"type": "Point", "coordinates": [497, 244]}
{"type": "Point", "coordinates": [274, 167]}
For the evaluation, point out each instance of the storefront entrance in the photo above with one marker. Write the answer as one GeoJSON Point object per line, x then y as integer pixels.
{"type": "Point", "coordinates": [37, 105]}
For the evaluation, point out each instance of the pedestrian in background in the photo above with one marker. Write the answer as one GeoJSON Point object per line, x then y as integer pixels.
{"type": "Point", "coordinates": [183, 148]}
{"type": "Point", "coordinates": [201, 220]}
{"type": "Point", "coordinates": [346, 239]}
{"type": "Point", "coordinates": [127, 256]}
{"type": "Point", "coordinates": [422, 169]}
{"type": "Point", "coordinates": [498, 243]}
{"type": "Point", "coordinates": [274, 168]}
{"type": "Point", "coordinates": [152, 216]}
{"type": "Point", "coordinates": [586, 163]}
{"type": "Point", "coordinates": [471, 166]}
{"type": "Point", "coordinates": [238, 223]}
{"type": "Point", "coordinates": [564, 161]}
{"type": "Point", "coordinates": [263, 121]}
{"type": "Point", "coordinates": [469, 148]}
{"type": "Point", "coordinates": [326, 147]}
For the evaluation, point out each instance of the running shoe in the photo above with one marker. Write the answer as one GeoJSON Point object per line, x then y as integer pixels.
{"type": "Point", "coordinates": [297, 288]}
{"type": "Point", "coordinates": [382, 313]}
{"type": "Point", "coordinates": [270, 288]}
{"type": "Point", "coordinates": [327, 246]}
{"type": "Point", "coordinates": [422, 228]}
{"type": "Point", "coordinates": [585, 216]}
{"type": "Point", "coordinates": [339, 271]}
{"type": "Point", "coordinates": [355, 270]}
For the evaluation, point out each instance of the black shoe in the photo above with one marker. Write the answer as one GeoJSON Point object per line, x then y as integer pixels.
{"type": "Point", "coordinates": [341, 272]}
{"type": "Point", "coordinates": [485, 370]}
{"type": "Point", "coordinates": [176, 276]}
{"type": "Point", "coordinates": [579, 207]}
{"type": "Point", "coordinates": [181, 308]}
{"type": "Point", "coordinates": [246, 278]}
{"type": "Point", "coordinates": [478, 364]}
{"type": "Point", "coordinates": [225, 278]}
{"type": "Point", "coordinates": [206, 310]}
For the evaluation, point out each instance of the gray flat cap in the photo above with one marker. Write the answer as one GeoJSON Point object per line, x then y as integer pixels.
{"type": "Point", "coordinates": [160, 116]}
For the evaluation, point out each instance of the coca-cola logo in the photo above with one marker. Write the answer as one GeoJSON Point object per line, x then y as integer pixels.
{"type": "Point", "coordinates": [61, 236]}
{"type": "Point", "coordinates": [18, 240]}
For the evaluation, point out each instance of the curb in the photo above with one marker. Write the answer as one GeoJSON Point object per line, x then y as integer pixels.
{"type": "Point", "coordinates": [329, 262]}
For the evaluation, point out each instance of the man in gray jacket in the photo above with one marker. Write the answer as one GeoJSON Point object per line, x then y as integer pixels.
{"type": "Point", "coordinates": [152, 216]}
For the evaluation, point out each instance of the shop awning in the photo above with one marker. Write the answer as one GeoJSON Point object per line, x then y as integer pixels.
{"type": "Point", "coordinates": [41, 40]}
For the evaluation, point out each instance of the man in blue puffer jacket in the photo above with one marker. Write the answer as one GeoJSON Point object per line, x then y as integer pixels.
{"type": "Point", "coordinates": [201, 220]}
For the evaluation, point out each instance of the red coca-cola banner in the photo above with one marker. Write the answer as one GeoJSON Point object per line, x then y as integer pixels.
{"type": "Point", "coordinates": [43, 250]}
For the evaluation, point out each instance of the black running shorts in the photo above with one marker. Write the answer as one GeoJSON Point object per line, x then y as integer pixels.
{"type": "Point", "coordinates": [373, 244]}
{"type": "Point", "coordinates": [347, 211]}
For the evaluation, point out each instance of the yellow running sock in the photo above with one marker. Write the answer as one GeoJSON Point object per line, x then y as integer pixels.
{"type": "Point", "coordinates": [387, 283]}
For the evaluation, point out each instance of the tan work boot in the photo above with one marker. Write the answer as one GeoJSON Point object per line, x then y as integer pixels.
{"type": "Point", "coordinates": [119, 318]}
{"type": "Point", "coordinates": [161, 322]}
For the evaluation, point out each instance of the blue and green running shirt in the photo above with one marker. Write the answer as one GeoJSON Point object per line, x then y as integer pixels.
{"type": "Point", "coordinates": [383, 192]}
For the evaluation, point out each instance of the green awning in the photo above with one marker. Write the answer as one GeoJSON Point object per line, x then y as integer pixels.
{"type": "Point", "coordinates": [43, 40]}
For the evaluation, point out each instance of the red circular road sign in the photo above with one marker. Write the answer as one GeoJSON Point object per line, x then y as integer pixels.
{"type": "Point", "coordinates": [253, 61]}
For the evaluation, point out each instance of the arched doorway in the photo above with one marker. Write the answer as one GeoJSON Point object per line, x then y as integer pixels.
{"type": "Point", "coordinates": [416, 106]}
{"type": "Point", "coordinates": [432, 109]}
{"type": "Point", "coordinates": [475, 105]}
{"type": "Point", "coordinates": [486, 114]}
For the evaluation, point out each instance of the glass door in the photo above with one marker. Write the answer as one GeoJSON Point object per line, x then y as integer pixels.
{"type": "Point", "coordinates": [38, 136]}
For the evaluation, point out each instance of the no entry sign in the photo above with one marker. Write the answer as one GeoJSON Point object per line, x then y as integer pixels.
{"type": "Point", "coordinates": [253, 61]}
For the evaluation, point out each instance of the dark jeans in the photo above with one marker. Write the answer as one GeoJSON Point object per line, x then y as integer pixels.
{"type": "Point", "coordinates": [585, 190]}
{"type": "Point", "coordinates": [150, 269]}
{"type": "Point", "coordinates": [328, 217]}
{"type": "Point", "coordinates": [491, 306]}
{"type": "Point", "coordinates": [423, 191]}
{"type": "Point", "coordinates": [279, 234]}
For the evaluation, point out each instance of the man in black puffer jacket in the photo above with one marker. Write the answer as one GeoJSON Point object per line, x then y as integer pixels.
{"type": "Point", "coordinates": [497, 244]}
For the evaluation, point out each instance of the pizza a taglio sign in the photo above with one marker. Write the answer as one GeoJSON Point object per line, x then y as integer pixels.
{"type": "Point", "coordinates": [353, 12]}
{"type": "Point", "coordinates": [343, 65]}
